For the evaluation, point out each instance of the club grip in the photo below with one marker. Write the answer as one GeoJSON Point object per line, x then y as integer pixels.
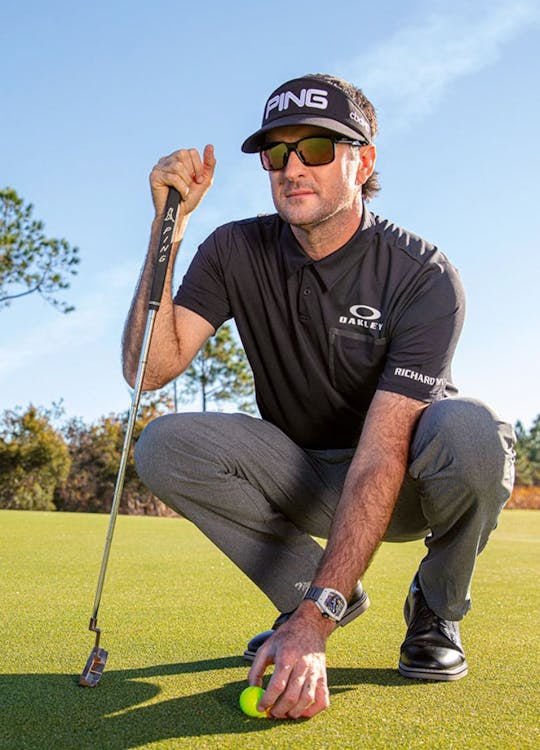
{"type": "Point", "coordinates": [164, 251]}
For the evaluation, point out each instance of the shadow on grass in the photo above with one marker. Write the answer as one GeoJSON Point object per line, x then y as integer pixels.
{"type": "Point", "coordinates": [51, 710]}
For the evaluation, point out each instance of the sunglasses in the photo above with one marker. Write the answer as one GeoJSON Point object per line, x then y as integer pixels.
{"type": "Point", "coordinates": [313, 151]}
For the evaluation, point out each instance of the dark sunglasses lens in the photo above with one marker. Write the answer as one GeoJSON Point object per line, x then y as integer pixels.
{"type": "Point", "coordinates": [312, 151]}
{"type": "Point", "coordinates": [316, 151]}
{"type": "Point", "coordinates": [274, 157]}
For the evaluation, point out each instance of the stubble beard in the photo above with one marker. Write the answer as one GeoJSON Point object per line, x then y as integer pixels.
{"type": "Point", "coordinates": [310, 220]}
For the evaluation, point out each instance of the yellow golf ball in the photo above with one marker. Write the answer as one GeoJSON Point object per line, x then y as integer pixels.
{"type": "Point", "coordinates": [249, 698]}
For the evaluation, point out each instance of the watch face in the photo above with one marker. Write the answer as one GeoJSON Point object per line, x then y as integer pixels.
{"type": "Point", "coordinates": [334, 604]}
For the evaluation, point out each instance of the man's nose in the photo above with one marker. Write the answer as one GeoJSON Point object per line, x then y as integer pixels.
{"type": "Point", "coordinates": [294, 166]}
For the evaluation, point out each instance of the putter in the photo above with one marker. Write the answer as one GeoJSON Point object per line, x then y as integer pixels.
{"type": "Point", "coordinates": [95, 665]}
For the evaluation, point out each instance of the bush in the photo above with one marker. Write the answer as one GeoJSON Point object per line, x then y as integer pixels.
{"type": "Point", "coordinates": [34, 459]}
{"type": "Point", "coordinates": [95, 451]}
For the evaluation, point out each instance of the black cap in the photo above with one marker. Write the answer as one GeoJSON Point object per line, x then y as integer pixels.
{"type": "Point", "coordinates": [311, 101]}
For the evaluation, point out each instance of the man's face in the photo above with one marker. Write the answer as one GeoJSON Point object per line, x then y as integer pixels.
{"type": "Point", "coordinates": [308, 196]}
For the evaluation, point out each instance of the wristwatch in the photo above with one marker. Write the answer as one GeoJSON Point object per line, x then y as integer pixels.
{"type": "Point", "coordinates": [331, 603]}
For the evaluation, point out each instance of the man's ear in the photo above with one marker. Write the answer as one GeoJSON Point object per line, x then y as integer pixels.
{"type": "Point", "coordinates": [366, 165]}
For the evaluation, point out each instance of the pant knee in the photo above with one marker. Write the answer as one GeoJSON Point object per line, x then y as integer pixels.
{"type": "Point", "coordinates": [191, 447]}
{"type": "Point", "coordinates": [150, 450]}
{"type": "Point", "coordinates": [465, 438]}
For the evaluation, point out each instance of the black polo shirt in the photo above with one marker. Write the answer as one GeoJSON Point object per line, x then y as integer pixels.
{"type": "Point", "coordinates": [382, 312]}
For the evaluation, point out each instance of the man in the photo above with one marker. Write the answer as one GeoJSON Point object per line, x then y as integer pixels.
{"type": "Point", "coordinates": [350, 324]}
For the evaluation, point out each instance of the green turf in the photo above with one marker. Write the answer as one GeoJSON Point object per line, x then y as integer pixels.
{"type": "Point", "coordinates": [174, 676]}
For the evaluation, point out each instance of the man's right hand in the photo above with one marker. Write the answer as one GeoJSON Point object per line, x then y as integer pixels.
{"type": "Point", "coordinates": [183, 170]}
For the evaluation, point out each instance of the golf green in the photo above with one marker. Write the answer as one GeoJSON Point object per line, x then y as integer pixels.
{"type": "Point", "coordinates": [176, 615]}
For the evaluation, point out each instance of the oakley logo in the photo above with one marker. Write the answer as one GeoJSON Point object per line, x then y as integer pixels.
{"type": "Point", "coordinates": [316, 98]}
{"type": "Point", "coordinates": [361, 310]}
{"type": "Point", "coordinates": [364, 316]}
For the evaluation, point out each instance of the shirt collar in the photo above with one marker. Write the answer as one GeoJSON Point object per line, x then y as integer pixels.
{"type": "Point", "coordinates": [334, 266]}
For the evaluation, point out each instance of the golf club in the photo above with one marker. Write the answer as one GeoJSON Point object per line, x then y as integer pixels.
{"type": "Point", "coordinates": [95, 664]}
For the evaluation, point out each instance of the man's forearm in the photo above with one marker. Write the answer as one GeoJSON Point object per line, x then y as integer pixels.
{"type": "Point", "coordinates": [165, 346]}
{"type": "Point", "coordinates": [169, 355]}
{"type": "Point", "coordinates": [370, 492]}
{"type": "Point", "coordinates": [359, 525]}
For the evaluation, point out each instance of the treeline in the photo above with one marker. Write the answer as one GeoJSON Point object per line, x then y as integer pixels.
{"type": "Point", "coordinates": [73, 467]}
{"type": "Point", "coordinates": [528, 454]}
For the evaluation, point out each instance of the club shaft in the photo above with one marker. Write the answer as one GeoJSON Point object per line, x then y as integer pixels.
{"type": "Point", "coordinates": [136, 397]}
{"type": "Point", "coordinates": [156, 291]}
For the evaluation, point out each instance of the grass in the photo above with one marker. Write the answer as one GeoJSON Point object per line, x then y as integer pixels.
{"type": "Point", "coordinates": [173, 676]}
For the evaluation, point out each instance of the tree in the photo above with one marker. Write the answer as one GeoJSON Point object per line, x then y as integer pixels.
{"type": "Point", "coordinates": [95, 452]}
{"type": "Point", "coordinates": [219, 373]}
{"type": "Point", "coordinates": [29, 261]}
{"type": "Point", "coordinates": [528, 454]}
{"type": "Point", "coordinates": [34, 459]}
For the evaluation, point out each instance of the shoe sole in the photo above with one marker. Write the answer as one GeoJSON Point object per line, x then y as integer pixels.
{"type": "Point", "coordinates": [435, 674]}
{"type": "Point", "coordinates": [353, 611]}
{"type": "Point", "coordinates": [250, 655]}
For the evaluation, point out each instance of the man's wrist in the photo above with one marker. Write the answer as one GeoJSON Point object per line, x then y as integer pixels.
{"type": "Point", "coordinates": [309, 611]}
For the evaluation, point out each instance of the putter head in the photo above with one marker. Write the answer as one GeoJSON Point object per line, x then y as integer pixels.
{"type": "Point", "coordinates": [93, 670]}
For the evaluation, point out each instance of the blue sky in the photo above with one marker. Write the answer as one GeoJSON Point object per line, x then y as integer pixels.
{"type": "Point", "coordinates": [94, 93]}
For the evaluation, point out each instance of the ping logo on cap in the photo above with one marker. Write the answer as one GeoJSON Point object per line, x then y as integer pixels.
{"type": "Point", "coordinates": [315, 98]}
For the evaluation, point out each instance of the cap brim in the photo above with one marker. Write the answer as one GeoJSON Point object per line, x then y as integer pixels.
{"type": "Point", "coordinates": [252, 144]}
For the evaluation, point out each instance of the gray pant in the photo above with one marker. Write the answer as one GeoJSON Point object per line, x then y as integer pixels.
{"type": "Point", "coordinates": [260, 498]}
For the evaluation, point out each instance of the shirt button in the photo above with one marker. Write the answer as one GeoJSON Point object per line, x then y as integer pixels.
{"type": "Point", "coordinates": [307, 291]}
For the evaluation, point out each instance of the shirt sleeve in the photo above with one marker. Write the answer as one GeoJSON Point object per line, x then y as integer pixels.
{"type": "Point", "coordinates": [425, 332]}
{"type": "Point", "coordinates": [203, 289]}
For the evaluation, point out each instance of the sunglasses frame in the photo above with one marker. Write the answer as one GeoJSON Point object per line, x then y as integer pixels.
{"type": "Point", "coordinates": [293, 146]}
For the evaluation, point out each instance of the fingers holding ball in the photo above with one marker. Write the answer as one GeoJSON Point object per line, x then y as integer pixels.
{"type": "Point", "coordinates": [249, 700]}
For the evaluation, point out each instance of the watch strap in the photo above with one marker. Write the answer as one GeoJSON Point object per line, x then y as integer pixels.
{"type": "Point", "coordinates": [314, 593]}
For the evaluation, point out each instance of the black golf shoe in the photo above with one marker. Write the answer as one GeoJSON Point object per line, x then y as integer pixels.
{"type": "Point", "coordinates": [432, 648]}
{"type": "Point", "coordinates": [358, 603]}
